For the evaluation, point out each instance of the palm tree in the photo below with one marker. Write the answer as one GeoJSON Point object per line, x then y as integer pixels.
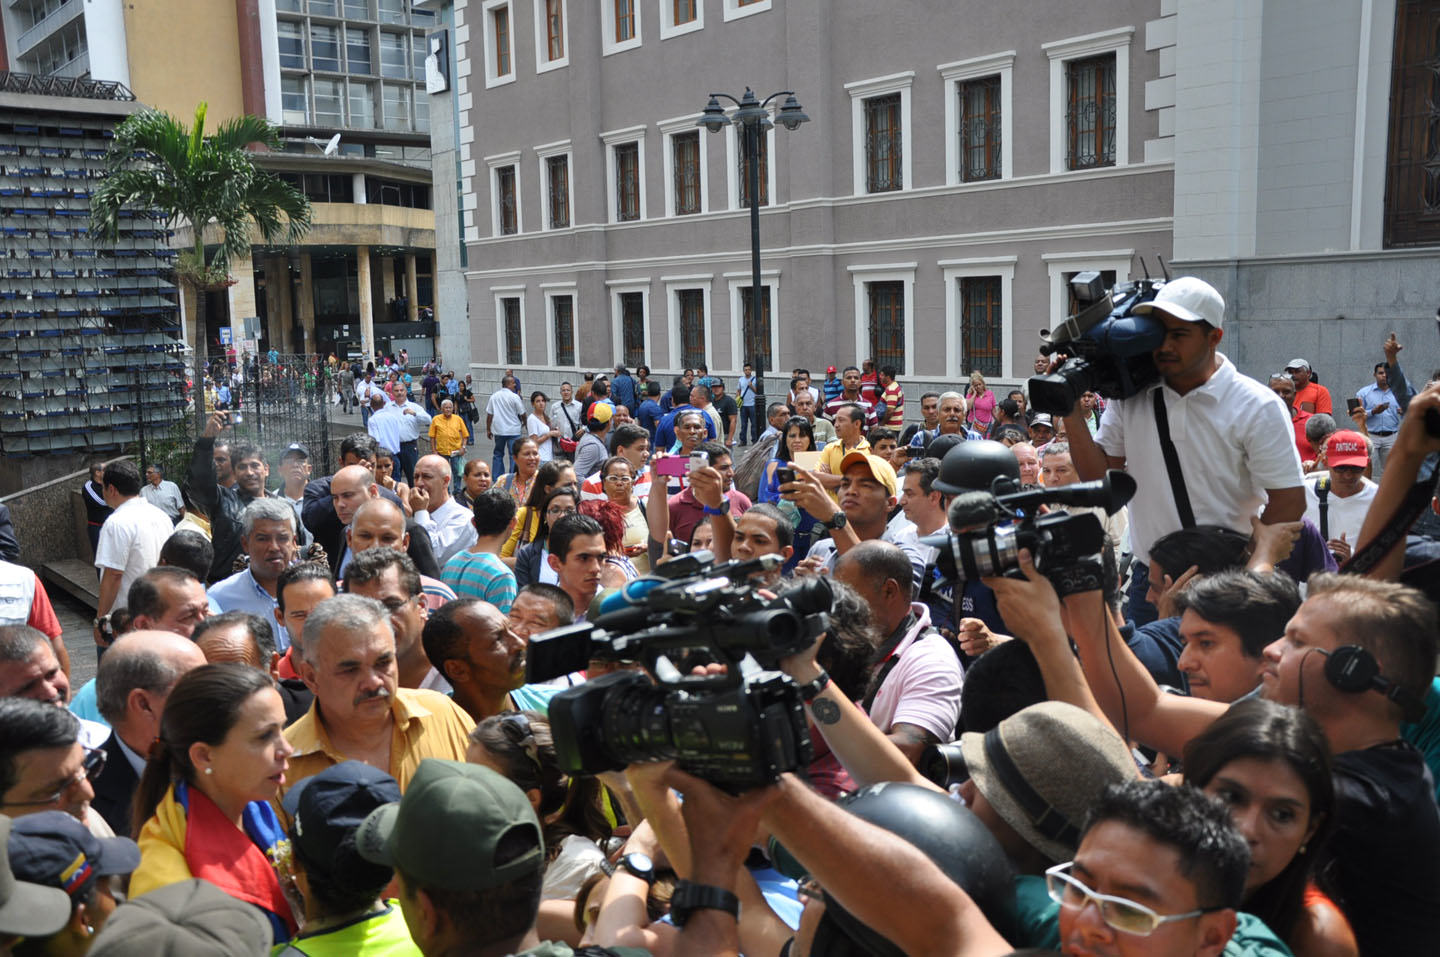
{"type": "Point", "coordinates": [155, 163]}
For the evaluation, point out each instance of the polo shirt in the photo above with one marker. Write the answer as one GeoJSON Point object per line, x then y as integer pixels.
{"type": "Point", "coordinates": [923, 688]}
{"type": "Point", "coordinates": [833, 406]}
{"type": "Point", "coordinates": [241, 592]}
{"type": "Point", "coordinates": [382, 933]}
{"type": "Point", "coordinates": [894, 399]}
{"type": "Point", "coordinates": [448, 434]}
{"type": "Point", "coordinates": [834, 453]}
{"type": "Point", "coordinates": [506, 411]}
{"type": "Point", "coordinates": [1343, 515]}
{"type": "Point", "coordinates": [481, 575]}
{"type": "Point", "coordinates": [427, 725]}
{"type": "Point", "coordinates": [1224, 433]}
{"type": "Point", "coordinates": [686, 512]}
{"type": "Point", "coordinates": [824, 432]}
{"type": "Point", "coordinates": [130, 543]}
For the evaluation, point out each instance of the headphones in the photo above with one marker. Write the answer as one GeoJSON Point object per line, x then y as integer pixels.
{"type": "Point", "coordinates": [1354, 670]}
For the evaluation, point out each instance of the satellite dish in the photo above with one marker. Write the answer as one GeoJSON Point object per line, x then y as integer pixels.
{"type": "Point", "coordinates": [330, 148]}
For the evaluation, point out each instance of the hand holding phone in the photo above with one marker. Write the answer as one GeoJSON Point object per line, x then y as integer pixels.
{"type": "Point", "coordinates": [671, 465]}
{"type": "Point", "coordinates": [1352, 405]}
{"type": "Point", "coordinates": [784, 475]}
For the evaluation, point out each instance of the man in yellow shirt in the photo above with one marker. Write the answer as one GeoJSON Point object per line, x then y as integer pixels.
{"type": "Point", "coordinates": [359, 712]}
{"type": "Point", "coordinates": [850, 437]}
{"type": "Point", "coordinates": [448, 434]}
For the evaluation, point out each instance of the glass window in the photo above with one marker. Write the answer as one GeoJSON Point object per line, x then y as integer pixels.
{"type": "Point", "coordinates": [417, 54]}
{"type": "Point", "coordinates": [692, 327]}
{"type": "Point", "coordinates": [1090, 112]}
{"type": "Point", "coordinates": [1412, 180]}
{"type": "Point", "coordinates": [329, 95]}
{"type": "Point", "coordinates": [744, 175]}
{"type": "Point", "coordinates": [500, 20]}
{"type": "Point", "coordinates": [362, 105]}
{"type": "Point", "coordinates": [554, 29]}
{"type": "Point", "coordinates": [514, 351]}
{"type": "Point", "coordinates": [293, 101]}
{"type": "Point", "coordinates": [392, 11]}
{"type": "Point", "coordinates": [882, 144]}
{"type": "Point", "coordinates": [564, 308]}
{"type": "Point", "coordinates": [288, 6]}
{"type": "Point", "coordinates": [632, 328]}
{"type": "Point", "coordinates": [505, 196]}
{"type": "Point", "coordinates": [422, 110]}
{"type": "Point", "coordinates": [980, 130]}
{"type": "Point", "coordinates": [980, 332]}
{"type": "Point", "coordinates": [557, 171]}
{"type": "Point", "coordinates": [357, 50]}
{"type": "Point", "coordinates": [627, 182]}
{"type": "Point", "coordinates": [292, 44]}
{"type": "Point", "coordinates": [684, 11]}
{"type": "Point", "coordinates": [325, 8]}
{"type": "Point", "coordinates": [756, 342]}
{"type": "Point", "coordinates": [686, 166]}
{"type": "Point", "coordinates": [887, 323]}
{"type": "Point", "coordinates": [325, 48]}
{"type": "Point", "coordinates": [358, 10]}
{"type": "Point", "coordinates": [394, 55]}
{"type": "Point", "coordinates": [397, 107]}
{"type": "Point", "coordinates": [624, 20]}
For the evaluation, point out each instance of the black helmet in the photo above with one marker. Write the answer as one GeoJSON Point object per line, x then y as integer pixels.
{"type": "Point", "coordinates": [973, 466]}
{"type": "Point", "coordinates": [951, 836]}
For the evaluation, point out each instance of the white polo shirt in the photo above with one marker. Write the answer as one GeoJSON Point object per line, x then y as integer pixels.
{"type": "Point", "coordinates": [1234, 440]}
{"type": "Point", "coordinates": [130, 543]}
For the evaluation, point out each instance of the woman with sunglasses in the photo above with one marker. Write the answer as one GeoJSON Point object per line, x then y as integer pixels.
{"type": "Point", "coordinates": [548, 477]}
{"type": "Point", "coordinates": [1270, 765]}
{"type": "Point", "coordinates": [202, 808]}
{"type": "Point", "coordinates": [617, 480]}
{"type": "Point", "coordinates": [530, 560]}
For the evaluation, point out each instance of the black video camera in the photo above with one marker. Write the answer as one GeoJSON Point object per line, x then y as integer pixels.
{"type": "Point", "coordinates": [987, 530]}
{"type": "Point", "coordinates": [1106, 346]}
{"type": "Point", "coordinates": [738, 730]}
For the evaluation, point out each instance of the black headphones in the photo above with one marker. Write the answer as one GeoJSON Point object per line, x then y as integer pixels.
{"type": "Point", "coordinates": [1354, 670]}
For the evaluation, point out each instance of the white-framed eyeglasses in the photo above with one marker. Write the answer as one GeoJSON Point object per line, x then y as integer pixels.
{"type": "Point", "coordinates": [1119, 913]}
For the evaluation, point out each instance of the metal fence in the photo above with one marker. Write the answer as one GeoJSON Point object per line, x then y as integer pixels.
{"type": "Point", "coordinates": [275, 400]}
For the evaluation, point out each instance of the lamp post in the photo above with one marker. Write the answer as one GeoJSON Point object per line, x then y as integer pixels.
{"type": "Point", "coordinates": [752, 120]}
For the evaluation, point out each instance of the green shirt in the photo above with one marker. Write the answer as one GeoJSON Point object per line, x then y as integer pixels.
{"type": "Point", "coordinates": [380, 934]}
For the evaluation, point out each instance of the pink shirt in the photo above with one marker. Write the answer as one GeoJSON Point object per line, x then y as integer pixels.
{"type": "Point", "coordinates": [982, 409]}
{"type": "Point", "coordinates": [923, 689]}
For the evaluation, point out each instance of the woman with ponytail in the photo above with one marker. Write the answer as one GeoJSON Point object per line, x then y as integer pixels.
{"type": "Point", "coordinates": [201, 808]}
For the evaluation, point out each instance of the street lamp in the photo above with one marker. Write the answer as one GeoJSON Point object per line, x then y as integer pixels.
{"type": "Point", "coordinates": [752, 118]}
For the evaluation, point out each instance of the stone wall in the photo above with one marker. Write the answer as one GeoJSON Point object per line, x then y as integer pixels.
{"type": "Point", "coordinates": [49, 520]}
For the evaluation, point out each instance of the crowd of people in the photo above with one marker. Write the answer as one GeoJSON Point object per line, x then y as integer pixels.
{"type": "Point", "coordinates": [312, 731]}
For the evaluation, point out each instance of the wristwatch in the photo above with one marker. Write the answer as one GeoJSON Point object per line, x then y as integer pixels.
{"type": "Point", "coordinates": [638, 864]}
{"type": "Point", "coordinates": [836, 521]}
{"type": "Point", "coordinates": [688, 898]}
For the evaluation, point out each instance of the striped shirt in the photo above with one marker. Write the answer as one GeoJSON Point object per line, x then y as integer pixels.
{"type": "Point", "coordinates": [481, 575]}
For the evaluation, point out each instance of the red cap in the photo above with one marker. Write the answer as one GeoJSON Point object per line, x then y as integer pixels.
{"type": "Point", "coordinates": [1346, 448]}
{"type": "Point", "coordinates": [830, 369]}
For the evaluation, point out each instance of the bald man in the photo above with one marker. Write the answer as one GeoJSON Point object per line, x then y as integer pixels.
{"type": "Point", "coordinates": [134, 679]}
{"type": "Point", "coordinates": [330, 507]}
{"type": "Point", "coordinates": [379, 523]}
{"type": "Point", "coordinates": [242, 638]}
{"type": "Point", "coordinates": [446, 521]}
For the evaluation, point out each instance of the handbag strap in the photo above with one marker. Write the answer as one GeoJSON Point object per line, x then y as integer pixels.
{"type": "Point", "coordinates": [1172, 462]}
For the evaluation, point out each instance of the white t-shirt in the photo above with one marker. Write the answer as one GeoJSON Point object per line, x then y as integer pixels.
{"type": "Point", "coordinates": [507, 411]}
{"type": "Point", "coordinates": [1232, 436]}
{"type": "Point", "coordinates": [538, 427]}
{"type": "Point", "coordinates": [923, 689]}
{"type": "Point", "coordinates": [1344, 515]}
{"type": "Point", "coordinates": [130, 542]}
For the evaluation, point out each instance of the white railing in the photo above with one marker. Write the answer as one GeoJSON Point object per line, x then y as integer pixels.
{"type": "Point", "coordinates": [32, 37]}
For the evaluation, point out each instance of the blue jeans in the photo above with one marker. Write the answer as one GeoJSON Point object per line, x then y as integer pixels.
{"type": "Point", "coordinates": [457, 473]}
{"type": "Point", "coordinates": [409, 455]}
{"type": "Point", "coordinates": [502, 446]}
{"type": "Point", "coordinates": [747, 418]}
{"type": "Point", "coordinates": [1138, 610]}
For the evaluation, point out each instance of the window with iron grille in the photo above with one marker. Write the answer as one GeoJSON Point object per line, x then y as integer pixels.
{"type": "Point", "coordinates": [1090, 112]}
{"type": "Point", "coordinates": [555, 29]}
{"type": "Point", "coordinates": [557, 171]}
{"type": "Point", "coordinates": [691, 303]}
{"type": "Point", "coordinates": [764, 169]}
{"type": "Point", "coordinates": [887, 323]}
{"type": "Point", "coordinates": [505, 196]}
{"type": "Point", "coordinates": [756, 342]}
{"type": "Point", "coordinates": [501, 19]}
{"type": "Point", "coordinates": [684, 11]}
{"type": "Point", "coordinates": [980, 328]}
{"type": "Point", "coordinates": [1072, 305]}
{"type": "Point", "coordinates": [980, 129]}
{"type": "Point", "coordinates": [1412, 175]}
{"type": "Point", "coordinates": [514, 348]}
{"type": "Point", "coordinates": [627, 182]}
{"type": "Point", "coordinates": [882, 144]}
{"type": "Point", "coordinates": [632, 327]}
{"type": "Point", "coordinates": [624, 20]}
{"type": "Point", "coordinates": [564, 312]}
{"type": "Point", "coordinates": [685, 160]}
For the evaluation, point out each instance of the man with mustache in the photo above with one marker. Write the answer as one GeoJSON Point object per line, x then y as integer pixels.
{"type": "Point", "coordinates": [1230, 436]}
{"type": "Point", "coordinates": [360, 712]}
{"type": "Point", "coordinates": [482, 657]}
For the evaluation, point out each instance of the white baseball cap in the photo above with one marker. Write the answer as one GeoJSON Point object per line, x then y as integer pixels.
{"type": "Point", "coordinates": [1189, 300]}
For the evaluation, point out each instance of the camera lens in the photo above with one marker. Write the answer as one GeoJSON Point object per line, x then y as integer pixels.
{"type": "Point", "coordinates": [944, 764]}
{"type": "Point", "coordinates": [637, 725]}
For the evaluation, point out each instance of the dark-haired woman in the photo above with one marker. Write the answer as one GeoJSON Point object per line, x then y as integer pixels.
{"type": "Point", "coordinates": [530, 561]}
{"type": "Point", "coordinates": [525, 453]}
{"type": "Point", "coordinates": [797, 436]}
{"type": "Point", "coordinates": [202, 805]}
{"type": "Point", "coordinates": [1271, 766]}
{"type": "Point", "coordinates": [548, 477]}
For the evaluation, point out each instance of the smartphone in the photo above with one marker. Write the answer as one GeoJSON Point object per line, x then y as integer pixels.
{"type": "Point", "coordinates": [698, 460]}
{"type": "Point", "coordinates": [671, 465]}
{"type": "Point", "coordinates": [1351, 405]}
{"type": "Point", "coordinates": [785, 474]}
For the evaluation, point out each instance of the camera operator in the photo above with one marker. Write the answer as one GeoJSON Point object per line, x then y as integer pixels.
{"type": "Point", "coordinates": [1225, 429]}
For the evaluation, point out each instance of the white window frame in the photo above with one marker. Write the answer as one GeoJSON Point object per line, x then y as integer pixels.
{"type": "Point", "coordinates": [608, 46]}
{"type": "Point", "coordinates": [499, 294]}
{"type": "Point", "coordinates": [668, 27]}
{"type": "Point", "coordinates": [734, 11]}
{"type": "Point", "coordinates": [862, 90]}
{"type": "Point", "coordinates": [862, 276]}
{"type": "Point", "coordinates": [673, 286]}
{"type": "Point", "coordinates": [732, 166]}
{"type": "Point", "coordinates": [496, 163]}
{"type": "Point", "coordinates": [668, 131]}
{"type": "Point", "coordinates": [552, 290]}
{"type": "Point", "coordinates": [954, 75]}
{"type": "Point", "coordinates": [1061, 263]}
{"type": "Point", "coordinates": [487, 22]}
{"type": "Point", "coordinates": [545, 153]}
{"type": "Point", "coordinates": [543, 63]}
{"type": "Point", "coordinates": [612, 139]}
{"type": "Point", "coordinates": [769, 279]}
{"type": "Point", "coordinates": [956, 269]}
{"type": "Point", "coordinates": [613, 289]}
{"type": "Point", "coordinates": [1078, 48]}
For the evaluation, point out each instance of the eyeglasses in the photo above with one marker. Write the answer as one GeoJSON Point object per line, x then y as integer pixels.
{"type": "Point", "coordinates": [90, 767]}
{"type": "Point", "coordinates": [1123, 915]}
{"type": "Point", "coordinates": [623, 479]}
{"type": "Point", "coordinates": [559, 512]}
